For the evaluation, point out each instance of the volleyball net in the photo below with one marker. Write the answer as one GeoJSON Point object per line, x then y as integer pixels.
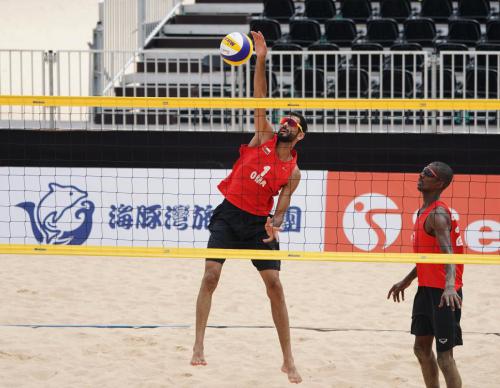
{"type": "Point", "coordinates": [118, 176]}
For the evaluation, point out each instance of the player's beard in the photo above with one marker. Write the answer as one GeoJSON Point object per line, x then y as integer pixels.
{"type": "Point", "coordinates": [286, 137]}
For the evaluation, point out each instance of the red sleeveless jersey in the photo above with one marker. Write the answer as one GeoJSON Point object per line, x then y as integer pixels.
{"type": "Point", "coordinates": [434, 275]}
{"type": "Point", "coordinates": [257, 176]}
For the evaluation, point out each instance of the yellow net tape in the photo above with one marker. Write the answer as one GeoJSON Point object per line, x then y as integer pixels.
{"type": "Point", "coordinates": [251, 103]}
{"type": "Point", "coordinates": [202, 253]}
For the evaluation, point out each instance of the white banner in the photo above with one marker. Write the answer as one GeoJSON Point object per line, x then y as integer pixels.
{"type": "Point", "coordinates": [136, 207]}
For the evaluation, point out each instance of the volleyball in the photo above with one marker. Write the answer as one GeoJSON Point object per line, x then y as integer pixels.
{"type": "Point", "coordinates": [236, 48]}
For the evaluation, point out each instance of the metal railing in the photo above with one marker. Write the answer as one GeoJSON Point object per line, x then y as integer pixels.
{"type": "Point", "coordinates": [290, 74]}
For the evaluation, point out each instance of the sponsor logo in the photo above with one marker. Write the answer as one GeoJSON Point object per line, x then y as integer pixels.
{"type": "Point", "coordinates": [443, 340]}
{"type": "Point", "coordinates": [371, 220]}
{"type": "Point", "coordinates": [63, 215]}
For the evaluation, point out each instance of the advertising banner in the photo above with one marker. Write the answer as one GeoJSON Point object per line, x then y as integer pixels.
{"type": "Point", "coordinates": [375, 212]}
{"type": "Point", "coordinates": [136, 207]}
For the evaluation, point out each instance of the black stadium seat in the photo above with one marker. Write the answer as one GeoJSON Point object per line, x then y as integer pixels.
{"type": "Point", "coordinates": [486, 85]}
{"type": "Point", "coordinates": [341, 31]}
{"type": "Point", "coordinates": [454, 62]}
{"type": "Point", "coordinates": [284, 61]}
{"type": "Point", "coordinates": [451, 88]}
{"type": "Point", "coordinates": [420, 30]}
{"type": "Point", "coordinates": [304, 31]}
{"type": "Point", "coordinates": [371, 62]}
{"type": "Point", "coordinates": [309, 83]}
{"type": "Point", "coordinates": [465, 31]}
{"type": "Point", "coordinates": [490, 60]}
{"type": "Point", "coordinates": [412, 62]}
{"type": "Point", "coordinates": [281, 10]}
{"type": "Point", "coordinates": [319, 60]}
{"type": "Point", "coordinates": [320, 9]}
{"type": "Point", "coordinates": [398, 10]}
{"type": "Point", "coordinates": [357, 10]}
{"type": "Point", "coordinates": [493, 31]}
{"type": "Point", "coordinates": [352, 83]}
{"type": "Point", "coordinates": [474, 9]}
{"type": "Point", "coordinates": [383, 31]}
{"type": "Point", "coordinates": [397, 83]}
{"type": "Point", "coordinates": [438, 10]}
{"type": "Point", "coordinates": [271, 29]}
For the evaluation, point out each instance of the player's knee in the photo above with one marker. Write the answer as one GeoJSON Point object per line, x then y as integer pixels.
{"type": "Point", "coordinates": [210, 280]}
{"type": "Point", "coordinates": [445, 360]}
{"type": "Point", "coordinates": [422, 352]}
{"type": "Point", "coordinates": [275, 289]}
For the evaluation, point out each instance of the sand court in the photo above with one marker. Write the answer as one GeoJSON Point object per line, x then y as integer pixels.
{"type": "Point", "coordinates": [344, 331]}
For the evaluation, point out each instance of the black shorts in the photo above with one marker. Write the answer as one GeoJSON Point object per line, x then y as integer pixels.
{"type": "Point", "coordinates": [232, 228]}
{"type": "Point", "coordinates": [441, 322]}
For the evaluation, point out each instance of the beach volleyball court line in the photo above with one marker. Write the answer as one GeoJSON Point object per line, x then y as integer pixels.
{"type": "Point", "coordinates": [187, 326]}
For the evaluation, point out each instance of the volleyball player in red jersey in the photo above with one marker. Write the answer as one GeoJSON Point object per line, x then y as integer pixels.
{"type": "Point", "coordinates": [267, 166]}
{"type": "Point", "coordinates": [437, 305]}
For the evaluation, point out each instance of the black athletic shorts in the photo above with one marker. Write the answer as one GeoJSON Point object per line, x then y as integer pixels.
{"type": "Point", "coordinates": [441, 322]}
{"type": "Point", "coordinates": [232, 228]}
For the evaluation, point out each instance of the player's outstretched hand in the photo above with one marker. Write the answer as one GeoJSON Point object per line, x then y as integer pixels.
{"type": "Point", "coordinates": [260, 46]}
{"type": "Point", "coordinates": [272, 231]}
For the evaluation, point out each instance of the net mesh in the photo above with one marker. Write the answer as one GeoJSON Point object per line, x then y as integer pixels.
{"type": "Point", "coordinates": [70, 178]}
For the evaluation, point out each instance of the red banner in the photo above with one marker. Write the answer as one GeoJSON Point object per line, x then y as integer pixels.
{"type": "Point", "coordinates": [375, 212]}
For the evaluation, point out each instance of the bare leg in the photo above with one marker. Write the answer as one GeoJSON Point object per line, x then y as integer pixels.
{"type": "Point", "coordinates": [448, 366]}
{"type": "Point", "coordinates": [203, 303]}
{"type": "Point", "coordinates": [427, 360]}
{"type": "Point", "coordinates": [280, 317]}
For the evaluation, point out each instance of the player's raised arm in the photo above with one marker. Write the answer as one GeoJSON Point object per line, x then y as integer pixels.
{"type": "Point", "coordinates": [263, 128]}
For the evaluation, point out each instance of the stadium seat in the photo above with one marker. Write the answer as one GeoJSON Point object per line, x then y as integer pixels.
{"type": "Point", "coordinates": [398, 10]}
{"type": "Point", "coordinates": [489, 61]}
{"type": "Point", "coordinates": [281, 10]}
{"type": "Point", "coordinates": [274, 83]}
{"type": "Point", "coordinates": [486, 86]}
{"type": "Point", "coordinates": [340, 31]}
{"type": "Point", "coordinates": [352, 83]}
{"type": "Point", "coordinates": [493, 31]}
{"type": "Point", "coordinates": [420, 30]}
{"type": "Point", "coordinates": [357, 10]}
{"type": "Point", "coordinates": [269, 27]}
{"type": "Point", "coordinates": [319, 60]}
{"type": "Point", "coordinates": [284, 61]}
{"type": "Point", "coordinates": [304, 31]}
{"type": "Point", "coordinates": [309, 83]}
{"type": "Point", "coordinates": [364, 59]}
{"type": "Point", "coordinates": [465, 31]}
{"type": "Point", "coordinates": [474, 9]}
{"type": "Point", "coordinates": [438, 10]}
{"type": "Point", "coordinates": [383, 31]}
{"type": "Point", "coordinates": [320, 9]}
{"type": "Point", "coordinates": [397, 83]}
{"type": "Point", "coordinates": [411, 62]}
{"type": "Point", "coordinates": [453, 62]}
{"type": "Point", "coordinates": [451, 88]}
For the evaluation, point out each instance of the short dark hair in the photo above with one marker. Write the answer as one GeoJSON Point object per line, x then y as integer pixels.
{"type": "Point", "coordinates": [444, 172]}
{"type": "Point", "coordinates": [302, 119]}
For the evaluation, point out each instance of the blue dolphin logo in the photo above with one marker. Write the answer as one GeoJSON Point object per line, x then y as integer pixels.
{"type": "Point", "coordinates": [53, 220]}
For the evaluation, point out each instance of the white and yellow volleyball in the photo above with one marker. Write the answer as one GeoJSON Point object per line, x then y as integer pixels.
{"type": "Point", "coordinates": [236, 48]}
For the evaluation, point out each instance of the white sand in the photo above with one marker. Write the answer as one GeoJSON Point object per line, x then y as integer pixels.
{"type": "Point", "coordinates": [82, 290]}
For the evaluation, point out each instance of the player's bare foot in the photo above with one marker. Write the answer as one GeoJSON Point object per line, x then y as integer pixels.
{"type": "Point", "coordinates": [198, 358]}
{"type": "Point", "coordinates": [293, 374]}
